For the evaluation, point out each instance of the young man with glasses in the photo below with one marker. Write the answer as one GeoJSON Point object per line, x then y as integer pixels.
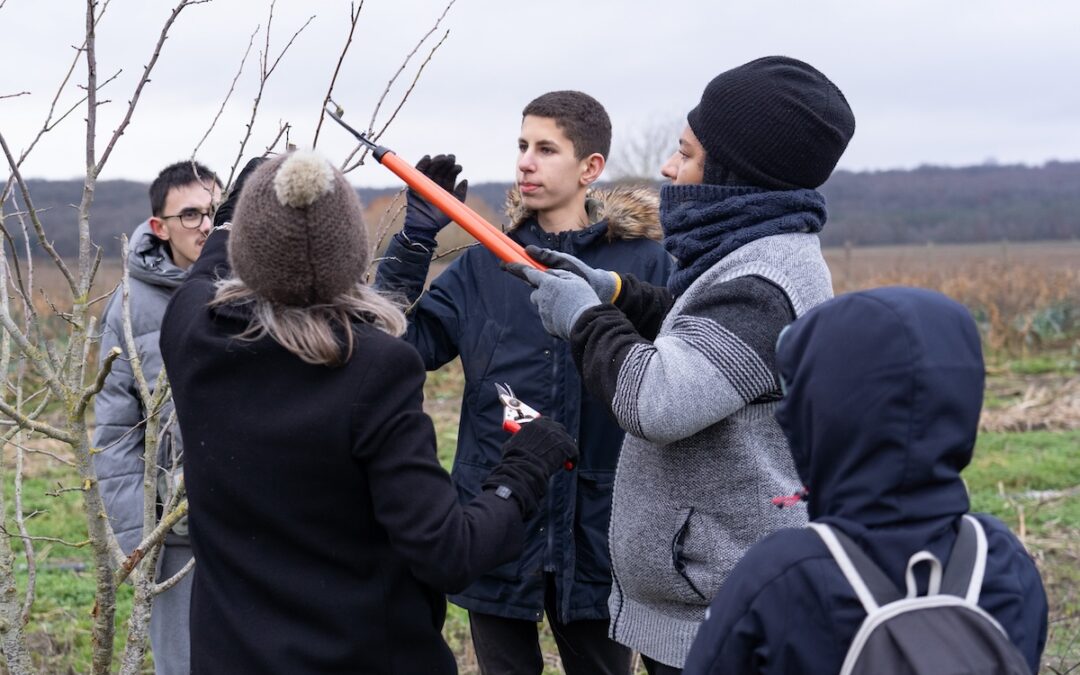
{"type": "Point", "coordinates": [182, 201]}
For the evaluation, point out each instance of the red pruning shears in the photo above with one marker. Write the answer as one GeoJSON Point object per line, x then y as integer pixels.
{"type": "Point", "coordinates": [516, 413]}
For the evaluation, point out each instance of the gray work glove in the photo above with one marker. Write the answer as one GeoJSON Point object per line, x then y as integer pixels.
{"type": "Point", "coordinates": [606, 284]}
{"type": "Point", "coordinates": [560, 297]}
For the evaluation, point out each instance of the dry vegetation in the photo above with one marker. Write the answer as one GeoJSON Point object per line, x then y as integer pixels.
{"type": "Point", "coordinates": [1026, 297]}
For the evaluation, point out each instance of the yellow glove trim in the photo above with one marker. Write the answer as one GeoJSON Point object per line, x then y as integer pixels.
{"type": "Point", "coordinates": [618, 287]}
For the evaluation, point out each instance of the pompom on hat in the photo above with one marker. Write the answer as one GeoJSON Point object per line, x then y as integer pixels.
{"type": "Point", "coordinates": [775, 122]}
{"type": "Point", "coordinates": [298, 235]}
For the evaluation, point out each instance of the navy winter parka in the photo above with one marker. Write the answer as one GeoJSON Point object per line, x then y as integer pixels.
{"type": "Point", "coordinates": [477, 311]}
{"type": "Point", "coordinates": [883, 394]}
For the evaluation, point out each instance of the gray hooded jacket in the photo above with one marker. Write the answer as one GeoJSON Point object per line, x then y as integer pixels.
{"type": "Point", "coordinates": [118, 411]}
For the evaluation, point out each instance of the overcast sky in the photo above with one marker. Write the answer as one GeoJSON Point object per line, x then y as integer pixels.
{"type": "Point", "coordinates": [949, 83]}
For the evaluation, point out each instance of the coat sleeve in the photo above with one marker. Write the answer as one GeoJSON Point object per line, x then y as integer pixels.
{"type": "Point", "coordinates": [1013, 591]}
{"type": "Point", "coordinates": [645, 305]}
{"type": "Point", "coordinates": [403, 270]}
{"type": "Point", "coordinates": [716, 357]}
{"type": "Point", "coordinates": [118, 436]}
{"type": "Point", "coordinates": [437, 319]}
{"type": "Point", "coordinates": [446, 544]}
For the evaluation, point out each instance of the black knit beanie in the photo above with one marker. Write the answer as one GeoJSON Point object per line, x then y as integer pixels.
{"type": "Point", "coordinates": [775, 122]}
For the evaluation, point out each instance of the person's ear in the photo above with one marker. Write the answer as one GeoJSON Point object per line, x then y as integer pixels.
{"type": "Point", "coordinates": [157, 226]}
{"type": "Point", "coordinates": [592, 167]}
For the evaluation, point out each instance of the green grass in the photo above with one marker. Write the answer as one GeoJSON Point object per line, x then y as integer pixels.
{"type": "Point", "coordinates": [1011, 477]}
{"type": "Point", "coordinates": [60, 623]}
{"type": "Point", "coordinates": [1028, 480]}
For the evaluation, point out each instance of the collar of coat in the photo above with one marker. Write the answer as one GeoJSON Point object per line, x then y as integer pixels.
{"type": "Point", "coordinates": [631, 212]}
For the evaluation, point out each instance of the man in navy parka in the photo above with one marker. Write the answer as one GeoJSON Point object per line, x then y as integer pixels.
{"type": "Point", "coordinates": [883, 393]}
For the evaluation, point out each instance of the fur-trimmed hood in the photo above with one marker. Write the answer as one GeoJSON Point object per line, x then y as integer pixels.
{"type": "Point", "coordinates": [632, 212]}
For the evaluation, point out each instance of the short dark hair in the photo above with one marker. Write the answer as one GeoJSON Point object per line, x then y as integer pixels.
{"type": "Point", "coordinates": [581, 118]}
{"type": "Point", "coordinates": [178, 175]}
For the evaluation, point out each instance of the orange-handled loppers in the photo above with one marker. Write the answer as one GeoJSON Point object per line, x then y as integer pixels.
{"type": "Point", "coordinates": [494, 239]}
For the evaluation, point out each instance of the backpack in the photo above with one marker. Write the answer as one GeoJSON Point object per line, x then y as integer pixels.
{"type": "Point", "coordinates": [944, 631]}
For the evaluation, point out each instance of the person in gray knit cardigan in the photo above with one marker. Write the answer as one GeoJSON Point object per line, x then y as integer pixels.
{"type": "Point", "coordinates": [689, 370]}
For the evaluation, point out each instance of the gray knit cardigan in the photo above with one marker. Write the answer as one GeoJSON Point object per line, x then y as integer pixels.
{"type": "Point", "coordinates": [703, 455]}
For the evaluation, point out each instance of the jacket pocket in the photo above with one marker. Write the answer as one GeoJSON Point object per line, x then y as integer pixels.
{"type": "Point", "coordinates": [592, 516]}
{"type": "Point", "coordinates": [468, 479]}
{"type": "Point", "coordinates": [691, 559]}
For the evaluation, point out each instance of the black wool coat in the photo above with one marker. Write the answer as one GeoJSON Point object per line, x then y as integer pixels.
{"type": "Point", "coordinates": [324, 529]}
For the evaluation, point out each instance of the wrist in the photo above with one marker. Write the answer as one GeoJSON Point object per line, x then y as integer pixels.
{"type": "Point", "coordinates": [417, 241]}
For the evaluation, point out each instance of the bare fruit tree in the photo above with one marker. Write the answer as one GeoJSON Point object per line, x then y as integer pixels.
{"type": "Point", "coordinates": [48, 363]}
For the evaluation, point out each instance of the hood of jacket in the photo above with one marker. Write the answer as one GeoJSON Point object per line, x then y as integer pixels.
{"type": "Point", "coordinates": [631, 212]}
{"type": "Point", "coordinates": [883, 393]}
{"type": "Point", "coordinates": [150, 261]}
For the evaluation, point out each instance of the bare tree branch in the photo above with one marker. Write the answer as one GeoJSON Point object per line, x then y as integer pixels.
{"type": "Point", "coordinates": [354, 15]}
{"type": "Point", "coordinates": [264, 74]}
{"type": "Point", "coordinates": [175, 579]}
{"type": "Point", "coordinates": [38, 227]}
{"type": "Point", "coordinates": [46, 127]}
{"type": "Point", "coordinates": [52, 540]}
{"type": "Point", "coordinates": [228, 94]}
{"type": "Point", "coordinates": [100, 164]}
{"type": "Point", "coordinates": [155, 537]}
{"type": "Point", "coordinates": [16, 95]}
{"type": "Point", "coordinates": [401, 103]}
{"type": "Point", "coordinates": [283, 130]}
{"type": "Point", "coordinates": [28, 544]}
{"type": "Point", "coordinates": [389, 85]}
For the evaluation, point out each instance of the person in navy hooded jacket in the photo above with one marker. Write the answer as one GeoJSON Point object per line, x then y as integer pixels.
{"type": "Point", "coordinates": [883, 394]}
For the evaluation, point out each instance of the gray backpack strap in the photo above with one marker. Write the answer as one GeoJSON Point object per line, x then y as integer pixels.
{"type": "Point", "coordinates": [967, 562]}
{"type": "Point", "coordinates": [873, 588]}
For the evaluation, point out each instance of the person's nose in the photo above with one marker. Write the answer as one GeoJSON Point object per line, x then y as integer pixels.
{"type": "Point", "coordinates": [206, 224]}
{"type": "Point", "coordinates": [526, 163]}
{"type": "Point", "coordinates": [670, 169]}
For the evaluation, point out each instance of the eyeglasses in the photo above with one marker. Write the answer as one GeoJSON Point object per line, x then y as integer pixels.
{"type": "Point", "coordinates": [192, 218]}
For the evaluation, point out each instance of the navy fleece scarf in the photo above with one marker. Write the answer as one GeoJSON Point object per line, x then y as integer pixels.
{"type": "Point", "coordinates": [704, 223]}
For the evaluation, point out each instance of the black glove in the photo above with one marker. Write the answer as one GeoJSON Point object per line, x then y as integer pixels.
{"type": "Point", "coordinates": [530, 457]}
{"type": "Point", "coordinates": [422, 219]}
{"type": "Point", "coordinates": [224, 212]}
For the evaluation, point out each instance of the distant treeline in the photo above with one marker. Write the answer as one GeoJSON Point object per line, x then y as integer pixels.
{"type": "Point", "coordinates": [928, 204]}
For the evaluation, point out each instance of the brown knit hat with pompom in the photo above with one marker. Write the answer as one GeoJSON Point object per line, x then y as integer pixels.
{"type": "Point", "coordinates": [298, 235]}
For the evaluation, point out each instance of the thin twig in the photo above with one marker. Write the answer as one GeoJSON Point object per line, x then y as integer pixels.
{"type": "Point", "coordinates": [264, 74]}
{"type": "Point", "coordinates": [28, 543]}
{"type": "Point", "coordinates": [401, 103]}
{"type": "Point", "coordinates": [386, 221]}
{"type": "Point", "coordinates": [119, 131]}
{"type": "Point", "coordinates": [228, 94]}
{"type": "Point", "coordinates": [150, 540]}
{"type": "Point", "coordinates": [175, 579]}
{"type": "Point", "coordinates": [28, 203]}
{"type": "Point", "coordinates": [48, 430]}
{"type": "Point", "coordinates": [52, 540]}
{"type": "Point", "coordinates": [283, 130]}
{"type": "Point", "coordinates": [412, 85]}
{"type": "Point", "coordinates": [354, 15]}
{"type": "Point", "coordinates": [16, 95]}
{"type": "Point", "coordinates": [389, 85]}
{"type": "Point", "coordinates": [39, 451]}
{"type": "Point", "coordinates": [452, 251]}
